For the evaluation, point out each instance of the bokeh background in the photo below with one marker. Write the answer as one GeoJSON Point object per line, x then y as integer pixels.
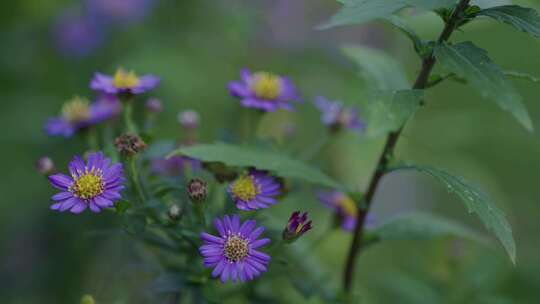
{"type": "Point", "coordinates": [50, 49]}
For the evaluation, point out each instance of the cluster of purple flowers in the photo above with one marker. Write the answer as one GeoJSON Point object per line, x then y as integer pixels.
{"type": "Point", "coordinates": [234, 254]}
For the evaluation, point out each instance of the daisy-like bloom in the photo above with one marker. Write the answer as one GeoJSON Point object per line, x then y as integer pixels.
{"type": "Point", "coordinates": [343, 205]}
{"type": "Point", "coordinates": [79, 113]}
{"type": "Point", "coordinates": [336, 116]}
{"type": "Point", "coordinates": [95, 184]}
{"type": "Point", "coordinates": [123, 82]}
{"type": "Point", "coordinates": [233, 254]}
{"type": "Point", "coordinates": [298, 225]}
{"type": "Point", "coordinates": [254, 190]}
{"type": "Point", "coordinates": [264, 91]}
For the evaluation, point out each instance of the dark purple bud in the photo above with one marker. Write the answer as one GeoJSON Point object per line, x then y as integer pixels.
{"type": "Point", "coordinates": [45, 165]}
{"type": "Point", "coordinates": [298, 225]}
{"type": "Point", "coordinates": [154, 105]}
{"type": "Point", "coordinates": [197, 190]}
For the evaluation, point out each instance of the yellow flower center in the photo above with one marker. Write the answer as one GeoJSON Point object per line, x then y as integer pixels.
{"type": "Point", "coordinates": [244, 188]}
{"type": "Point", "coordinates": [267, 86]}
{"type": "Point", "coordinates": [88, 185]}
{"type": "Point", "coordinates": [347, 205]}
{"type": "Point", "coordinates": [235, 249]}
{"type": "Point", "coordinates": [76, 110]}
{"type": "Point", "coordinates": [125, 80]}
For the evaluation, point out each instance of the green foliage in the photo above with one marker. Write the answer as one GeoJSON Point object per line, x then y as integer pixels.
{"type": "Point", "coordinates": [382, 71]}
{"type": "Point", "coordinates": [389, 110]}
{"type": "Point", "coordinates": [423, 226]}
{"type": "Point", "coordinates": [421, 48]}
{"type": "Point", "coordinates": [472, 63]}
{"type": "Point", "coordinates": [521, 75]}
{"type": "Point", "coordinates": [522, 18]}
{"type": "Point", "coordinates": [239, 156]}
{"type": "Point", "coordinates": [361, 11]}
{"type": "Point", "coordinates": [476, 202]}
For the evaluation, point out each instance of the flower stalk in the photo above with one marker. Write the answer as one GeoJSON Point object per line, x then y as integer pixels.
{"type": "Point", "coordinates": [382, 165]}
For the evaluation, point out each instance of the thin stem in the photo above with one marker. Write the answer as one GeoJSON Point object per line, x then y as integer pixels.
{"type": "Point", "coordinates": [427, 66]}
{"type": "Point", "coordinates": [135, 179]}
{"type": "Point", "coordinates": [128, 117]}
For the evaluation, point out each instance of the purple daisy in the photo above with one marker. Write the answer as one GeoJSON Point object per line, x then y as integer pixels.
{"type": "Point", "coordinates": [254, 190]}
{"type": "Point", "coordinates": [123, 82]}
{"type": "Point", "coordinates": [96, 184]}
{"type": "Point", "coordinates": [336, 116]}
{"type": "Point", "coordinates": [77, 35]}
{"type": "Point", "coordinates": [78, 113]}
{"type": "Point", "coordinates": [264, 91]}
{"type": "Point", "coordinates": [233, 253]}
{"type": "Point", "coordinates": [175, 165]}
{"type": "Point", "coordinates": [343, 205]}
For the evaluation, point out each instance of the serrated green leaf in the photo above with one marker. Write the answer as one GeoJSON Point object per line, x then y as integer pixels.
{"type": "Point", "coordinates": [477, 202]}
{"type": "Point", "coordinates": [387, 111]}
{"type": "Point", "coordinates": [522, 18]}
{"type": "Point", "coordinates": [424, 226]}
{"type": "Point", "coordinates": [381, 70]}
{"type": "Point", "coordinates": [240, 156]}
{"type": "Point", "coordinates": [361, 11]}
{"type": "Point", "coordinates": [472, 63]}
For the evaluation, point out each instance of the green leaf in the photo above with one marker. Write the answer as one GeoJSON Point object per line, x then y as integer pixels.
{"type": "Point", "coordinates": [361, 11]}
{"type": "Point", "coordinates": [472, 63]}
{"type": "Point", "coordinates": [421, 48]}
{"type": "Point", "coordinates": [240, 156]}
{"type": "Point", "coordinates": [424, 226]}
{"type": "Point", "coordinates": [477, 202]}
{"type": "Point", "coordinates": [522, 75]}
{"type": "Point", "coordinates": [378, 68]}
{"type": "Point", "coordinates": [522, 18]}
{"type": "Point", "coordinates": [387, 111]}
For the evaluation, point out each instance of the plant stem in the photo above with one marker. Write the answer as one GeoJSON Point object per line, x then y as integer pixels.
{"type": "Point", "coordinates": [421, 81]}
{"type": "Point", "coordinates": [135, 179]}
{"type": "Point", "coordinates": [128, 117]}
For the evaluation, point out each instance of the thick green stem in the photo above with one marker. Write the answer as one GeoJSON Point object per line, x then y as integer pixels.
{"type": "Point", "coordinates": [427, 66]}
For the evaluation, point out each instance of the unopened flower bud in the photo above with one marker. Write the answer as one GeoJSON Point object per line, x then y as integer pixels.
{"type": "Point", "coordinates": [87, 299]}
{"type": "Point", "coordinates": [129, 145]}
{"type": "Point", "coordinates": [197, 190]}
{"type": "Point", "coordinates": [45, 165]}
{"type": "Point", "coordinates": [298, 225]}
{"type": "Point", "coordinates": [188, 119]}
{"type": "Point", "coordinates": [154, 105]}
{"type": "Point", "coordinates": [174, 213]}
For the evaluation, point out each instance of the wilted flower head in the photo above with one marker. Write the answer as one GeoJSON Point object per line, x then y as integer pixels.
{"type": "Point", "coordinates": [45, 165]}
{"type": "Point", "coordinates": [336, 116]}
{"type": "Point", "coordinates": [154, 105]}
{"type": "Point", "coordinates": [254, 190]}
{"type": "Point", "coordinates": [123, 82]}
{"type": "Point", "coordinates": [298, 225]}
{"type": "Point", "coordinates": [129, 144]}
{"type": "Point", "coordinates": [95, 184]}
{"type": "Point", "coordinates": [233, 254]}
{"type": "Point", "coordinates": [188, 119]}
{"type": "Point", "coordinates": [79, 113]}
{"type": "Point", "coordinates": [343, 205]}
{"type": "Point", "coordinates": [197, 190]}
{"type": "Point", "coordinates": [264, 91]}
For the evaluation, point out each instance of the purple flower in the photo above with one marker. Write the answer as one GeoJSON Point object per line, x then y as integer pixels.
{"type": "Point", "coordinates": [154, 105]}
{"type": "Point", "coordinates": [233, 253]}
{"type": "Point", "coordinates": [188, 119]}
{"type": "Point", "coordinates": [175, 165]}
{"type": "Point", "coordinates": [337, 116]}
{"type": "Point", "coordinates": [343, 205]}
{"type": "Point", "coordinates": [77, 35]}
{"type": "Point", "coordinates": [264, 91]}
{"type": "Point", "coordinates": [123, 11]}
{"type": "Point", "coordinates": [254, 190]}
{"type": "Point", "coordinates": [95, 184]}
{"type": "Point", "coordinates": [123, 82]}
{"type": "Point", "coordinates": [298, 225]}
{"type": "Point", "coordinates": [78, 113]}
{"type": "Point", "coordinates": [45, 165]}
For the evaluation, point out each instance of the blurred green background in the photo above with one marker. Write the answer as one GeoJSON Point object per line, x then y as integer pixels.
{"type": "Point", "coordinates": [197, 46]}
